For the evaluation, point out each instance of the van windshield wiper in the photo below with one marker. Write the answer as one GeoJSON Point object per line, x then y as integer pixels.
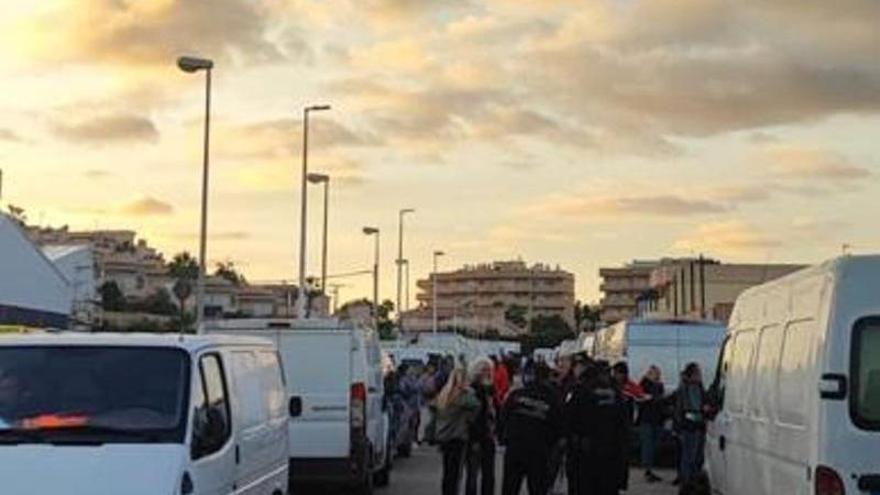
{"type": "Point", "coordinates": [81, 434]}
{"type": "Point", "coordinates": [15, 436]}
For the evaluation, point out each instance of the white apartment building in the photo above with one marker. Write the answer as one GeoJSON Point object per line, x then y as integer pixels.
{"type": "Point", "coordinates": [476, 297]}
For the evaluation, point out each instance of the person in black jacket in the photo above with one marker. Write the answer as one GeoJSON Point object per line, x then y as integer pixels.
{"type": "Point", "coordinates": [596, 421]}
{"type": "Point", "coordinates": [650, 420]}
{"type": "Point", "coordinates": [531, 424]}
{"type": "Point", "coordinates": [480, 459]}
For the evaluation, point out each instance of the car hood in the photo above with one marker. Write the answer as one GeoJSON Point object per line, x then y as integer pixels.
{"type": "Point", "coordinates": [110, 469]}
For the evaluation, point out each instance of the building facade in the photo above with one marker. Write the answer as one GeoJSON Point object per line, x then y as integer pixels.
{"type": "Point", "coordinates": [482, 298]}
{"type": "Point", "coordinates": [698, 288]}
{"type": "Point", "coordinates": [621, 289]}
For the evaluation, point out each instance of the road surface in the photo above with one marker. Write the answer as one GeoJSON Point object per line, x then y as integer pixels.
{"type": "Point", "coordinates": [420, 475]}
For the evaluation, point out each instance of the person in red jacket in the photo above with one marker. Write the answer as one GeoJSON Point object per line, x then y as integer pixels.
{"type": "Point", "coordinates": [501, 381]}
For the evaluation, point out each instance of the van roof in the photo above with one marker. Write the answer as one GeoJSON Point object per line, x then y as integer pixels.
{"type": "Point", "coordinates": [190, 343]}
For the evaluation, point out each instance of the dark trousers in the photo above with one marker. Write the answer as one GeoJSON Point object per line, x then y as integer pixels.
{"type": "Point", "coordinates": [592, 474]}
{"type": "Point", "coordinates": [691, 462]}
{"type": "Point", "coordinates": [453, 461]}
{"type": "Point", "coordinates": [481, 464]}
{"type": "Point", "coordinates": [649, 440]}
{"type": "Point", "coordinates": [532, 465]}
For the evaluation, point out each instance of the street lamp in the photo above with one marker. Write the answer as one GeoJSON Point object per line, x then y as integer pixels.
{"type": "Point", "coordinates": [325, 179]}
{"type": "Point", "coordinates": [400, 259]}
{"type": "Point", "coordinates": [301, 294]}
{"type": "Point", "coordinates": [375, 232]}
{"type": "Point", "coordinates": [437, 254]}
{"type": "Point", "coordinates": [192, 65]}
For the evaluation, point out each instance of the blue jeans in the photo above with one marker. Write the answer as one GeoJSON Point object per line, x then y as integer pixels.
{"type": "Point", "coordinates": [692, 444]}
{"type": "Point", "coordinates": [649, 440]}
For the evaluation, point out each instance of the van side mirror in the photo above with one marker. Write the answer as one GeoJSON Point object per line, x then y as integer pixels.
{"type": "Point", "coordinates": [296, 407]}
{"type": "Point", "coordinates": [209, 432]}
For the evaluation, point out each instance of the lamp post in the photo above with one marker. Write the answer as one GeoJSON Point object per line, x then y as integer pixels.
{"type": "Point", "coordinates": [400, 261]}
{"type": "Point", "coordinates": [191, 65]}
{"type": "Point", "coordinates": [301, 292]}
{"type": "Point", "coordinates": [325, 179]}
{"type": "Point", "coordinates": [437, 254]}
{"type": "Point", "coordinates": [375, 232]}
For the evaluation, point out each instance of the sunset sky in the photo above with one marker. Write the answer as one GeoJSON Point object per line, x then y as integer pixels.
{"type": "Point", "coordinates": [582, 133]}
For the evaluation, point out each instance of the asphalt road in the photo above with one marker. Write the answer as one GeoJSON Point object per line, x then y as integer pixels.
{"type": "Point", "coordinates": [420, 475]}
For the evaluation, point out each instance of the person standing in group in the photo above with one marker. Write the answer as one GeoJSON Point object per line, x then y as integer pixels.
{"type": "Point", "coordinates": [481, 438]}
{"type": "Point", "coordinates": [596, 421]}
{"type": "Point", "coordinates": [632, 394]}
{"type": "Point", "coordinates": [531, 424]}
{"type": "Point", "coordinates": [650, 420]}
{"type": "Point", "coordinates": [691, 408]}
{"type": "Point", "coordinates": [501, 381]}
{"type": "Point", "coordinates": [457, 406]}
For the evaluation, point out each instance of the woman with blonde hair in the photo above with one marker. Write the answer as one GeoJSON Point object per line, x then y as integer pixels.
{"type": "Point", "coordinates": [457, 405]}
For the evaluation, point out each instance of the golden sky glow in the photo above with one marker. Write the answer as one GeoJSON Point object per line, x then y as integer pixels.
{"type": "Point", "coordinates": [562, 131]}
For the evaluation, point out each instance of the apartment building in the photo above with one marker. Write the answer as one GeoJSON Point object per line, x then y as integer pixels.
{"type": "Point", "coordinates": [477, 297]}
{"type": "Point", "coordinates": [703, 288]}
{"type": "Point", "coordinates": [622, 288]}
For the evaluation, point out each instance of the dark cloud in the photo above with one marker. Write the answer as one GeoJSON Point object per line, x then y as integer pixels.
{"type": "Point", "coordinates": [147, 206]}
{"type": "Point", "coordinates": [117, 128]}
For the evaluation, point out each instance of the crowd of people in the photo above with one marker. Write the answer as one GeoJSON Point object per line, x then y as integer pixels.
{"type": "Point", "coordinates": [565, 428]}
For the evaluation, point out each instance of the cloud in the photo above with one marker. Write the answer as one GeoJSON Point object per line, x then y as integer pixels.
{"type": "Point", "coordinates": [281, 138]}
{"type": "Point", "coordinates": [97, 174]}
{"type": "Point", "coordinates": [122, 128]}
{"type": "Point", "coordinates": [147, 206]}
{"type": "Point", "coordinates": [813, 164]}
{"type": "Point", "coordinates": [638, 206]}
{"type": "Point", "coordinates": [727, 238]}
{"type": "Point", "coordinates": [405, 54]}
{"type": "Point", "coordinates": [10, 136]}
{"type": "Point", "coordinates": [151, 32]}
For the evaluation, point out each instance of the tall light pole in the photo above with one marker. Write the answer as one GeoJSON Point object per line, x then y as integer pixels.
{"type": "Point", "coordinates": [375, 232]}
{"type": "Point", "coordinates": [400, 260]}
{"type": "Point", "coordinates": [301, 290]}
{"type": "Point", "coordinates": [325, 179]}
{"type": "Point", "coordinates": [406, 278]}
{"type": "Point", "coordinates": [437, 254]}
{"type": "Point", "coordinates": [191, 65]}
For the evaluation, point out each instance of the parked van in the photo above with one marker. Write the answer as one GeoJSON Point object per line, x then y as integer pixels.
{"type": "Point", "coordinates": [669, 344]}
{"type": "Point", "coordinates": [340, 429]}
{"type": "Point", "coordinates": [104, 414]}
{"type": "Point", "coordinates": [798, 386]}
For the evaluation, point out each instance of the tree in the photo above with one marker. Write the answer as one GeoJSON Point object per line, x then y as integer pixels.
{"type": "Point", "coordinates": [160, 303]}
{"type": "Point", "coordinates": [386, 326]}
{"type": "Point", "coordinates": [547, 331]}
{"type": "Point", "coordinates": [18, 215]}
{"type": "Point", "coordinates": [112, 299]}
{"type": "Point", "coordinates": [516, 314]}
{"type": "Point", "coordinates": [183, 267]}
{"type": "Point", "coordinates": [228, 271]}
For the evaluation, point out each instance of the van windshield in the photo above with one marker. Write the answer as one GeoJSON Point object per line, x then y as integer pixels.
{"type": "Point", "coordinates": [93, 394]}
{"type": "Point", "coordinates": [866, 374]}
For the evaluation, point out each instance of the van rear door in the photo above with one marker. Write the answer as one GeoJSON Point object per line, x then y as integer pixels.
{"type": "Point", "coordinates": [317, 365]}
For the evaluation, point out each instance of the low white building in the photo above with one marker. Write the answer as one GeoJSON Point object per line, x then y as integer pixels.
{"type": "Point", "coordinates": [77, 264]}
{"type": "Point", "coordinates": [33, 291]}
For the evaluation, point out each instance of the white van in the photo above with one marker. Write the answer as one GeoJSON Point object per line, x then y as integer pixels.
{"type": "Point", "coordinates": [104, 414]}
{"type": "Point", "coordinates": [798, 386]}
{"type": "Point", "coordinates": [668, 344]}
{"type": "Point", "coordinates": [340, 429]}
